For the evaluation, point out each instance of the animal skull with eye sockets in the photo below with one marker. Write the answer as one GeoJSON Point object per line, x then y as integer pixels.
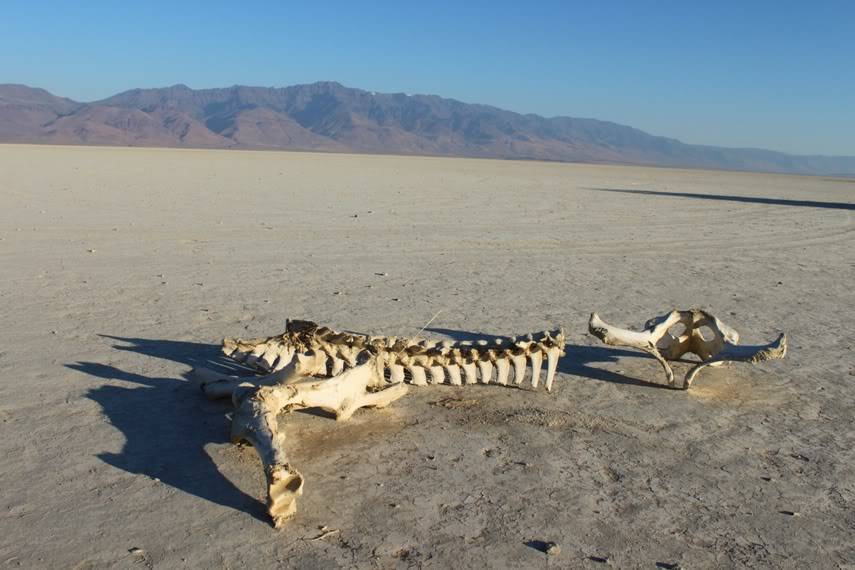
{"type": "Point", "coordinates": [660, 339]}
{"type": "Point", "coordinates": [309, 366]}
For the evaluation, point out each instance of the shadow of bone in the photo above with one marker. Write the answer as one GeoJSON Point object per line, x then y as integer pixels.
{"type": "Point", "coordinates": [193, 354]}
{"type": "Point", "coordinates": [732, 198]}
{"type": "Point", "coordinates": [166, 423]}
{"type": "Point", "coordinates": [577, 358]}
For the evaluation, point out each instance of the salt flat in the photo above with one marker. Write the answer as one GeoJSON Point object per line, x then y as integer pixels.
{"type": "Point", "coordinates": [122, 268]}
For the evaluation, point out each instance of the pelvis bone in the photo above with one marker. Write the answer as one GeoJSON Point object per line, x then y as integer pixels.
{"type": "Point", "coordinates": [694, 331]}
{"type": "Point", "coordinates": [310, 366]}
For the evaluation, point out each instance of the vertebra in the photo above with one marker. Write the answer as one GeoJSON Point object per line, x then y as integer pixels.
{"type": "Point", "coordinates": [417, 361]}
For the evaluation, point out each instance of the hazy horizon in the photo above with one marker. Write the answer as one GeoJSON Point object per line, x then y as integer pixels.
{"type": "Point", "coordinates": [764, 76]}
{"type": "Point", "coordinates": [522, 112]}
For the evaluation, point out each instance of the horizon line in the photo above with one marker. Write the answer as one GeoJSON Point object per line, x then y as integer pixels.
{"type": "Point", "coordinates": [373, 93]}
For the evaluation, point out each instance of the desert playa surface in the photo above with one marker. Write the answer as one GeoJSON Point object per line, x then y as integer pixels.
{"type": "Point", "coordinates": [124, 268]}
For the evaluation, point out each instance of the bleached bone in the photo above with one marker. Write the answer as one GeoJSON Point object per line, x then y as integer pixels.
{"type": "Point", "coordinates": [418, 357]}
{"type": "Point", "coordinates": [552, 356]}
{"type": "Point", "coordinates": [657, 340]}
{"type": "Point", "coordinates": [470, 371]}
{"type": "Point", "coordinates": [485, 369]}
{"type": "Point", "coordinates": [503, 368]}
{"type": "Point", "coordinates": [454, 374]}
{"type": "Point", "coordinates": [216, 385]}
{"type": "Point", "coordinates": [519, 368]}
{"type": "Point", "coordinates": [397, 373]}
{"type": "Point", "coordinates": [536, 362]}
{"type": "Point", "coordinates": [337, 366]}
{"type": "Point", "coordinates": [255, 420]}
{"type": "Point", "coordinates": [417, 373]}
{"type": "Point", "coordinates": [313, 366]}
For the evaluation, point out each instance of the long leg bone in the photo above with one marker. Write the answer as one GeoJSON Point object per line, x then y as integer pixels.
{"type": "Point", "coordinates": [657, 340]}
{"type": "Point", "coordinates": [256, 421]}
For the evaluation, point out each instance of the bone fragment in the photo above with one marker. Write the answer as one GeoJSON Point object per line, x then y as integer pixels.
{"type": "Point", "coordinates": [397, 373]}
{"type": "Point", "coordinates": [519, 368]}
{"type": "Point", "coordinates": [454, 374]}
{"type": "Point", "coordinates": [485, 368]}
{"type": "Point", "coordinates": [470, 371]}
{"type": "Point", "coordinates": [503, 368]}
{"type": "Point", "coordinates": [417, 373]}
{"type": "Point", "coordinates": [552, 356]}
{"type": "Point", "coordinates": [536, 362]}
{"type": "Point", "coordinates": [337, 366]}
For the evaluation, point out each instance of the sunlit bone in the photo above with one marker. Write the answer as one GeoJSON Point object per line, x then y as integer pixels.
{"type": "Point", "coordinates": [295, 370]}
{"type": "Point", "coordinates": [476, 360]}
{"type": "Point", "coordinates": [255, 420]}
{"type": "Point", "coordinates": [660, 340]}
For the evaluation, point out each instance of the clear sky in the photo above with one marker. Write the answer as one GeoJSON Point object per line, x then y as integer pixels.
{"type": "Point", "coordinates": [769, 74]}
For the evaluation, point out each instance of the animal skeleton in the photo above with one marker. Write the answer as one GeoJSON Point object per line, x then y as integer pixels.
{"type": "Point", "coordinates": [311, 366]}
{"type": "Point", "coordinates": [662, 339]}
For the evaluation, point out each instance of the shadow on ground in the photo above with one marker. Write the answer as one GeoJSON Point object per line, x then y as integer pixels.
{"type": "Point", "coordinates": [730, 198]}
{"type": "Point", "coordinates": [167, 422]}
{"type": "Point", "coordinates": [577, 360]}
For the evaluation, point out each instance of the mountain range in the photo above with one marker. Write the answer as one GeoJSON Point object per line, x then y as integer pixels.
{"type": "Point", "coordinates": [328, 116]}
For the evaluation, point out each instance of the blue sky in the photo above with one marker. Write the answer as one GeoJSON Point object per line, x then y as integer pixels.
{"type": "Point", "coordinates": [777, 75]}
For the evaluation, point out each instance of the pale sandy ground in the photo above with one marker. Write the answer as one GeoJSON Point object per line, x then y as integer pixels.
{"type": "Point", "coordinates": [120, 268]}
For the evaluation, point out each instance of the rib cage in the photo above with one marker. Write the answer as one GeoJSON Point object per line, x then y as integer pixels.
{"type": "Point", "coordinates": [416, 361]}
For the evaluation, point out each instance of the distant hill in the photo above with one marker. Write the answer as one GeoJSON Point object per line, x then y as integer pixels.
{"type": "Point", "coordinates": [328, 116]}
